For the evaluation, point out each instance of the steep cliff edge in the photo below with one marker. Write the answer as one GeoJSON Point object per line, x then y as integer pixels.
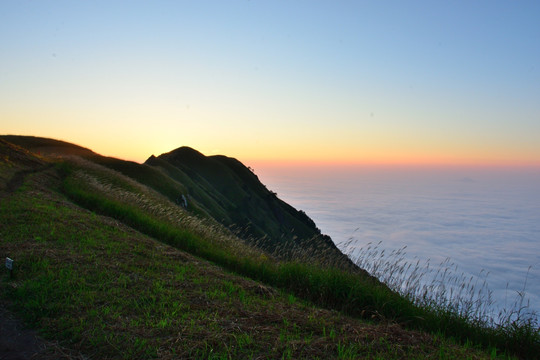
{"type": "Point", "coordinates": [217, 187]}
{"type": "Point", "coordinates": [233, 195]}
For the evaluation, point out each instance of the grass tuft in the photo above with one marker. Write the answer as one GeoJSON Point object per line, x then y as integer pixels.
{"type": "Point", "coordinates": [462, 305]}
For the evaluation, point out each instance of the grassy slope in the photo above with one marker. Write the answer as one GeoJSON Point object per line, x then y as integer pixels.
{"type": "Point", "coordinates": [112, 292]}
{"type": "Point", "coordinates": [217, 187]}
{"type": "Point", "coordinates": [233, 193]}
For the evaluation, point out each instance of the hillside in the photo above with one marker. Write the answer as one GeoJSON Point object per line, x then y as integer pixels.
{"type": "Point", "coordinates": [229, 191]}
{"type": "Point", "coordinates": [218, 188]}
{"type": "Point", "coordinates": [108, 267]}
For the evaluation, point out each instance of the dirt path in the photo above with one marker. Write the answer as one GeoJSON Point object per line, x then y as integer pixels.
{"type": "Point", "coordinates": [18, 178]}
{"type": "Point", "coordinates": [17, 342]}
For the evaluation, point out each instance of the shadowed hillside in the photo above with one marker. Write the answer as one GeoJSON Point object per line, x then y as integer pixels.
{"type": "Point", "coordinates": [107, 263]}
{"type": "Point", "coordinates": [45, 146]}
{"type": "Point", "coordinates": [218, 188]}
{"type": "Point", "coordinates": [233, 195]}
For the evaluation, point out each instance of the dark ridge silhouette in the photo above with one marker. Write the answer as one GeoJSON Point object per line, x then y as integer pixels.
{"type": "Point", "coordinates": [217, 187]}
{"type": "Point", "coordinates": [233, 195]}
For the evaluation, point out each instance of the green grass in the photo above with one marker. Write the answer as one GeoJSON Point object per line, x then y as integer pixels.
{"type": "Point", "coordinates": [450, 294]}
{"type": "Point", "coordinates": [351, 293]}
{"type": "Point", "coordinates": [325, 286]}
{"type": "Point", "coordinates": [99, 281]}
{"type": "Point", "coordinates": [105, 290]}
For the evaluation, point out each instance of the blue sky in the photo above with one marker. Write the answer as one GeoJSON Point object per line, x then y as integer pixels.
{"type": "Point", "coordinates": [332, 81]}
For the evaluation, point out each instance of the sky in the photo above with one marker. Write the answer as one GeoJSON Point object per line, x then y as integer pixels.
{"type": "Point", "coordinates": [363, 82]}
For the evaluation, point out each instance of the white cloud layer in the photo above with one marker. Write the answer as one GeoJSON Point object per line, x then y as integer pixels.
{"type": "Point", "coordinates": [490, 222]}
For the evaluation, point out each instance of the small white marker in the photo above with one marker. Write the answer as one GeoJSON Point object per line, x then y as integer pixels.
{"type": "Point", "coordinates": [9, 263]}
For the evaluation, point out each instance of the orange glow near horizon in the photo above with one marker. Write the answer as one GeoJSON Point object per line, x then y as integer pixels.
{"type": "Point", "coordinates": [391, 89]}
{"type": "Point", "coordinates": [297, 158]}
{"type": "Point", "coordinates": [305, 155]}
{"type": "Point", "coordinates": [341, 163]}
{"type": "Point", "coordinates": [403, 159]}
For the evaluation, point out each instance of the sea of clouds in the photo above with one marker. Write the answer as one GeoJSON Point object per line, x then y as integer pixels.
{"type": "Point", "coordinates": [487, 221]}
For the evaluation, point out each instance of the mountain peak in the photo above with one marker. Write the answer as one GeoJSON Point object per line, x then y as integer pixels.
{"type": "Point", "coordinates": [183, 154]}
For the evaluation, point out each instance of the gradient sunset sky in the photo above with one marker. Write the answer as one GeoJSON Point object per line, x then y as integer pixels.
{"type": "Point", "coordinates": [442, 82]}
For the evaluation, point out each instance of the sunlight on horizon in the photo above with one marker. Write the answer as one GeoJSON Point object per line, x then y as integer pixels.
{"type": "Point", "coordinates": [266, 82]}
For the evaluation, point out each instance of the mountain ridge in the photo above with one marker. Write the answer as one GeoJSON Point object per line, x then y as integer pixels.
{"type": "Point", "coordinates": [105, 260]}
{"type": "Point", "coordinates": [237, 190]}
{"type": "Point", "coordinates": [217, 187]}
